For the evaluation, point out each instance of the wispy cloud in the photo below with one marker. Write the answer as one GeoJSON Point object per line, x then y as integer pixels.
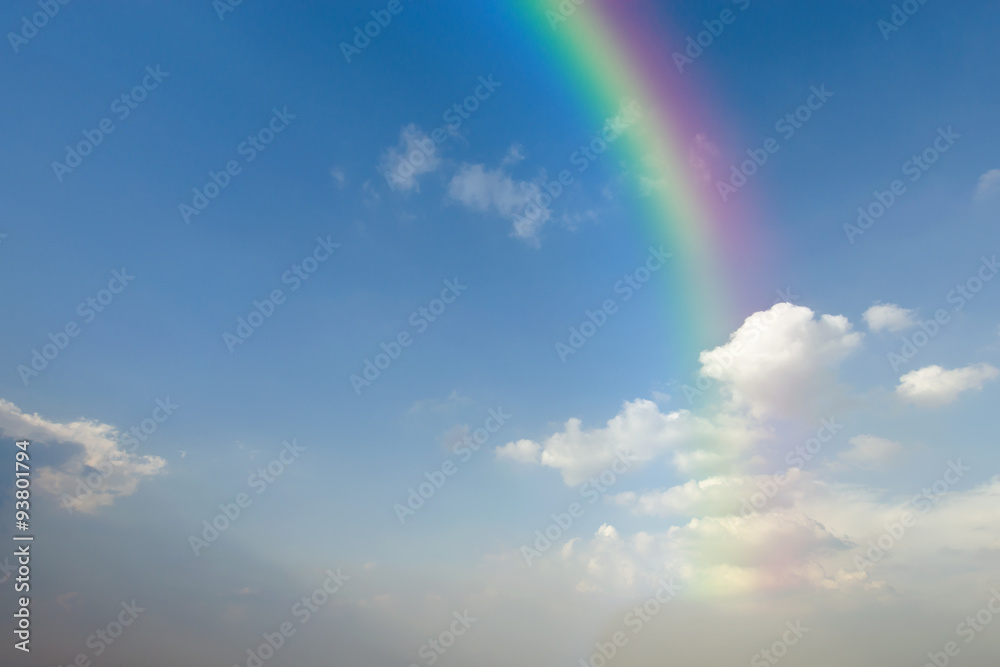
{"type": "Point", "coordinates": [483, 189]}
{"type": "Point", "coordinates": [989, 185]}
{"type": "Point", "coordinates": [93, 447]}
{"type": "Point", "coordinates": [414, 155]}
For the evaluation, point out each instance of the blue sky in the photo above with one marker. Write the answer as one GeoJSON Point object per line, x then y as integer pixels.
{"type": "Point", "coordinates": [322, 177]}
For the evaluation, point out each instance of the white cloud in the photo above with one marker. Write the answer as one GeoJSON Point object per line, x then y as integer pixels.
{"type": "Point", "coordinates": [783, 360]}
{"type": "Point", "coordinates": [339, 177]}
{"type": "Point", "coordinates": [811, 537]}
{"type": "Point", "coordinates": [716, 555]}
{"type": "Point", "coordinates": [645, 433]}
{"type": "Point", "coordinates": [514, 155]}
{"type": "Point", "coordinates": [370, 194]}
{"type": "Point", "coordinates": [721, 495]}
{"type": "Point", "coordinates": [890, 317]}
{"type": "Point", "coordinates": [572, 221]}
{"type": "Point", "coordinates": [661, 397]}
{"type": "Point", "coordinates": [640, 429]}
{"type": "Point", "coordinates": [450, 403]}
{"type": "Point", "coordinates": [484, 189]}
{"type": "Point", "coordinates": [522, 451]}
{"type": "Point", "coordinates": [868, 452]}
{"type": "Point", "coordinates": [802, 535]}
{"type": "Point", "coordinates": [96, 448]}
{"type": "Point", "coordinates": [989, 184]}
{"type": "Point", "coordinates": [416, 154]}
{"type": "Point", "coordinates": [934, 385]}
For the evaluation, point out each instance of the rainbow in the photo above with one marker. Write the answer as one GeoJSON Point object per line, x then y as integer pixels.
{"type": "Point", "coordinates": [616, 51]}
{"type": "Point", "coordinates": [612, 56]}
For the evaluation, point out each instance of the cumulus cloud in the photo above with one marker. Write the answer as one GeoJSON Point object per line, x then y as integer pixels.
{"type": "Point", "coordinates": [720, 495]}
{"type": "Point", "coordinates": [890, 317]}
{"type": "Point", "coordinates": [869, 452]}
{"type": "Point", "coordinates": [729, 530]}
{"type": "Point", "coordinates": [934, 385]}
{"type": "Point", "coordinates": [783, 360]}
{"type": "Point", "coordinates": [485, 189]}
{"type": "Point", "coordinates": [989, 184]}
{"type": "Point", "coordinates": [645, 433]}
{"type": "Point", "coordinates": [416, 154]}
{"type": "Point", "coordinates": [776, 363]}
{"type": "Point", "coordinates": [727, 555]}
{"type": "Point", "coordinates": [640, 428]}
{"type": "Point", "coordinates": [95, 448]}
{"type": "Point", "coordinates": [522, 451]}
{"type": "Point", "coordinates": [818, 537]}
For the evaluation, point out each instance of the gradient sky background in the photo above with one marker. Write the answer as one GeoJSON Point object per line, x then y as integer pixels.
{"type": "Point", "coordinates": [494, 347]}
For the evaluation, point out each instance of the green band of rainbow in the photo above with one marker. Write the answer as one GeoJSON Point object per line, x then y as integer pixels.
{"type": "Point", "coordinates": [613, 57]}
